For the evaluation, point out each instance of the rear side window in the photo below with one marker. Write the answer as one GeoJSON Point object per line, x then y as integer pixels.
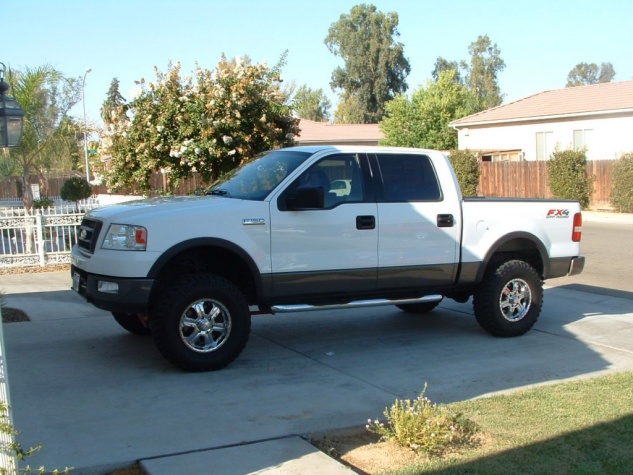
{"type": "Point", "coordinates": [408, 178]}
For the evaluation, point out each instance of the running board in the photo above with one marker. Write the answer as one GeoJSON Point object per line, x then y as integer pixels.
{"type": "Point", "coordinates": [355, 304]}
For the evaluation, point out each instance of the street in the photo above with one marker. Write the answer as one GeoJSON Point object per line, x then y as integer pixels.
{"type": "Point", "coordinates": [609, 255]}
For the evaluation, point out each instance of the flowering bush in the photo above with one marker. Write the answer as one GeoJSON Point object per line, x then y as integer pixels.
{"type": "Point", "coordinates": [209, 125]}
{"type": "Point", "coordinates": [423, 426]}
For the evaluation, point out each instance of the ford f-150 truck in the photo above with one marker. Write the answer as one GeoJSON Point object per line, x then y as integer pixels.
{"type": "Point", "coordinates": [321, 227]}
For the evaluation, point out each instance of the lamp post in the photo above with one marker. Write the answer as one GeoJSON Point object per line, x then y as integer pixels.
{"type": "Point", "coordinates": [11, 123]}
{"type": "Point", "coordinates": [11, 116]}
{"type": "Point", "coordinates": [83, 100]}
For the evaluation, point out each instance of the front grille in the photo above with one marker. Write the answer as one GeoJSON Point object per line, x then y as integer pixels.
{"type": "Point", "coordinates": [88, 234]}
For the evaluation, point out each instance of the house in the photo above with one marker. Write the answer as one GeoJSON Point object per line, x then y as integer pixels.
{"type": "Point", "coordinates": [325, 133]}
{"type": "Point", "coordinates": [598, 117]}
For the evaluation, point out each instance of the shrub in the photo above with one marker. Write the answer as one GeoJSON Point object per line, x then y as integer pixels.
{"type": "Point", "coordinates": [568, 178]}
{"type": "Point", "coordinates": [75, 189]}
{"type": "Point", "coordinates": [424, 426]}
{"type": "Point", "coordinates": [622, 187]}
{"type": "Point", "coordinates": [43, 203]}
{"type": "Point", "coordinates": [466, 166]}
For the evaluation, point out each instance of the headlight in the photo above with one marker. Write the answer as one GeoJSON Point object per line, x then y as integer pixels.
{"type": "Point", "coordinates": [125, 237]}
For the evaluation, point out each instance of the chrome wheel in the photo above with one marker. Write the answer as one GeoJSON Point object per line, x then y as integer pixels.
{"type": "Point", "coordinates": [205, 326]}
{"type": "Point", "coordinates": [515, 300]}
{"type": "Point", "coordinates": [509, 298]}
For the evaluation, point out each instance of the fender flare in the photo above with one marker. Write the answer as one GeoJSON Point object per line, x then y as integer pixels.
{"type": "Point", "coordinates": [540, 247]}
{"type": "Point", "coordinates": [209, 242]}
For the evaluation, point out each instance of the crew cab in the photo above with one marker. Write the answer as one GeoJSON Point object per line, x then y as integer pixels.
{"type": "Point", "coordinates": [274, 236]}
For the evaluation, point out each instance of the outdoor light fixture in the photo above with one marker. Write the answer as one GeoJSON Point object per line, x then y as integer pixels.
{"type": "Point", "coordinates": [11, 116]}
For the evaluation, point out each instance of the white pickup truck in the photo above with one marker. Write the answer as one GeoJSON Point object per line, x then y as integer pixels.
{"type": "Point", "coordinates": [309, 228]}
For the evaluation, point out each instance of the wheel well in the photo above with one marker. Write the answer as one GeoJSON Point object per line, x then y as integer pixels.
{"type": "Point", "coordinates": [520, 248]}
{"type": "Point", "coordinates": [216, 260]}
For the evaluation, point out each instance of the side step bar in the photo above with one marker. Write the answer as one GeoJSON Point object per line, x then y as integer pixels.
{"type": "Point", "coordinates": [354, 304]}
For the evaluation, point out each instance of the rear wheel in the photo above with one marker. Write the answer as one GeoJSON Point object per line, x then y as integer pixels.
{"type": "Point", "coordinates": [422, 307]}
{"type": "Point", "coordinates": [201, 322]}
{"type": "Point", "coordinates": [509, 299]}
{"type": "Point", "coordinates": [132, 322]}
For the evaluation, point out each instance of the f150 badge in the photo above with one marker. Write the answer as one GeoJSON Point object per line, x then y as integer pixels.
{"type": "Point", "coordinates": [558, 213]}
{"type": "Point", "coordinates": [253, 221]}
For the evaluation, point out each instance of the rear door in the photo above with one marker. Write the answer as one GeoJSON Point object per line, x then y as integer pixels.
{"type": "Point", "coordinates": [418, 224]}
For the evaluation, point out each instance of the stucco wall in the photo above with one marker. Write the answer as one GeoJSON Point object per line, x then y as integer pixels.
{"type": "Point", "coordinates": [608, 139]}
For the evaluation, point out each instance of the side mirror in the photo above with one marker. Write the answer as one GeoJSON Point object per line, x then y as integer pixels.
{"type": "Point", "coordinates": [307, 197]}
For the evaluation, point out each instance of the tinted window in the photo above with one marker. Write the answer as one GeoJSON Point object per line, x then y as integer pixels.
{"type": "Point", "coordinates": [408, 178]}
{"type": "Point", "coordinates": [338, 175]}
{"type": "Point", "coordinates": [257, 178]}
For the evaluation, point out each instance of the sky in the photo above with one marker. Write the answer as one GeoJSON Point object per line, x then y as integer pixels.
{"type": "Point", "coordinates": [540, 40]}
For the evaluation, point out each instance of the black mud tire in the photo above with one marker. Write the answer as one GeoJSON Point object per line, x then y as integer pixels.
{"type": "Point", "coordinates": [509, 299]}
{"type": "Point", "coordinates": [419, 308]}
{"type": "Point", "coordinates": [201, 322]}
{"type": "Point", "coordinates": [132, 322]}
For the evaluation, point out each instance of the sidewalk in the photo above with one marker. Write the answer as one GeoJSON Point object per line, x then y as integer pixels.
{"type": "Point", "coordinates": [98, 398]}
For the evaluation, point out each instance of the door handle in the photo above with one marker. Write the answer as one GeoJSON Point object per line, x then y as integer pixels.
{"type": "Point", "coordinates": [365, 222]}
{"type": "Point", "coordinates": [445, 221]}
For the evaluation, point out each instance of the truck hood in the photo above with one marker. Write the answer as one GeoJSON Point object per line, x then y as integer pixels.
{"type": "Point", "coordinates": [142, 211]}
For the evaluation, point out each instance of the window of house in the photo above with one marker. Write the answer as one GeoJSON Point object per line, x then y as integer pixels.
{"type": "Point", "coordinates": [544, 145]}
{"type": "Point", "coordinates": [582, 137]}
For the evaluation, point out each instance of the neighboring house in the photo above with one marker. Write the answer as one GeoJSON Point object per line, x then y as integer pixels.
{"type": "Point", "coordinates": [325, 133]}
{"type": "Point", "coordinates": [598, 117]}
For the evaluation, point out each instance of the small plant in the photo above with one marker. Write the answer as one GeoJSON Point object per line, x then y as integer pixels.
{"type": "Point", "coordinates": [75, 189]}
{"type": "Point", "coordinates": [466, 168]}
{"type": "Point", "coordinates": [622, 188]}
{"type": "Point", "coordinates": [568, 178]}
{"type": "Point", "coordinates": [10, 448]}
{"type": "Point", "coordinates": [43, 203]}
{"type": "Point", "coordinates": [424, 426]}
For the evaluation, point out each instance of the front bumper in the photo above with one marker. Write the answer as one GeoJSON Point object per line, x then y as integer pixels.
{"type": "Point", "coordinates": [115, 294]}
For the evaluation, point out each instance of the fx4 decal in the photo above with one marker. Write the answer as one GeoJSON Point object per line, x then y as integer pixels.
{"type": "Point", "coordinates": [558, 213]}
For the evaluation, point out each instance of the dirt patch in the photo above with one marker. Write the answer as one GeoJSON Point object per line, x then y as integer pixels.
{"type": "Point", "coordinates": [11, 315]}
{"type": "Point", "coordinates": [364, 453]}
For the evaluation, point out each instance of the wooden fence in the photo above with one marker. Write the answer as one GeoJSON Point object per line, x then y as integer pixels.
{"type": "Point", "coordinates": [505, 179]}
{"type": "Point", "coordinates": [529, 180]}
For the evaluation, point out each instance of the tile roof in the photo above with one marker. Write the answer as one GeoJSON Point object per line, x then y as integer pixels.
{"type": "Point", "coordinates": [610, 97]}
{"type": "Point", "coordinates": [325, 132]}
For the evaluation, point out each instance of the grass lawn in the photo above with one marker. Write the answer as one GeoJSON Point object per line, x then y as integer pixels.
{"type": "Point", "coordinates": [578, 427]}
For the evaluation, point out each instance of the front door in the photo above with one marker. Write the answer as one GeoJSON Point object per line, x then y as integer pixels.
{"type": "Point", "coordinates": [331, 249]}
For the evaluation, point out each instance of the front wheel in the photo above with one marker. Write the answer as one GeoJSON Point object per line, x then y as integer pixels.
{"type": "Point", "coordinates": [509, 299]}
{"type": "Point", "coordinates": [201, 323]}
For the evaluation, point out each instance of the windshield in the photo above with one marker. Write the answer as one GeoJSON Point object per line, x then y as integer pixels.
{"type": "Point", "coordinates": [256, 179]}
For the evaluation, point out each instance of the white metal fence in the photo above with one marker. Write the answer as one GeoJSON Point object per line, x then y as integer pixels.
{"type": "Point", "coordinates": [39, 237]}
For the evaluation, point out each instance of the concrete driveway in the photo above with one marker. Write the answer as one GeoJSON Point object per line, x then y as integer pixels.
{"type": "Point", "coordinates": [96, 396]}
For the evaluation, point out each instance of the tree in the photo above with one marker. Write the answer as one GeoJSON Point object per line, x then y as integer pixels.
{"type": "Point", "coordinates": [442, 64]}
{"type": "Point", "coordinates": [113, 103]}
{"type": "Point", "coordinates": [423, 121]}
{"type": "Point", "coordinates": [75, 189]}
{"type": "Point", "coordinates": [226, 117]}
{"type": "Point", "coordinates": [51, 138]}
{"type": "Point", "coordinates": [480, 75]}
{"type": "Point", "coordinates": [485, 65]}
{"type": "Point", "coordinates": [311, 104]}
{"type": "Point", "coordinates": [375, 68]}
{"type": "Point", "coordinates": [585, 74]}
